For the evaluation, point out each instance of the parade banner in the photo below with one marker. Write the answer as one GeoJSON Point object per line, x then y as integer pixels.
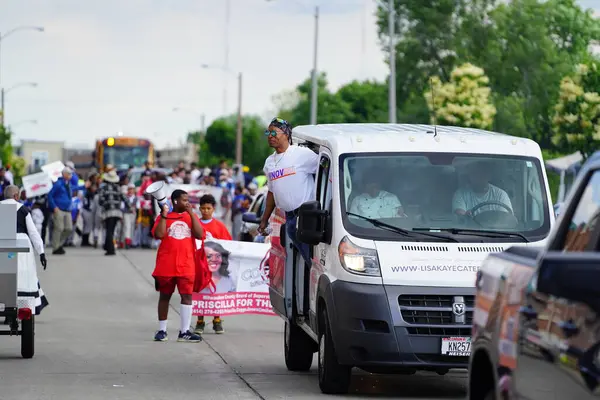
{"type": "Point", "coordinates": [37, 184]}
{"type": "Point", "coordinates": [241, 277]}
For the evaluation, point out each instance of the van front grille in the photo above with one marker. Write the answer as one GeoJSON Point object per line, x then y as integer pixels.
{"type": "Point", "coordinates": [434, 315]}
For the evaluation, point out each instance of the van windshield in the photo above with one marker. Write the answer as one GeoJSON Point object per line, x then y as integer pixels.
{"type": "Point", "coordinates": [465, 196]}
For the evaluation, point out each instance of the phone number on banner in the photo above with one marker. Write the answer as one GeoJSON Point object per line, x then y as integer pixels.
{"type": "Point", "coordinates": [231, 304]}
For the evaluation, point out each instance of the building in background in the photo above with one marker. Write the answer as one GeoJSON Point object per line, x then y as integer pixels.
{"type": "Point", "coordinates": [82, 157]}
{"type": "Point", "coordinates": [171, 156]}
{"type": "Point", "coordinates": [37, 153]}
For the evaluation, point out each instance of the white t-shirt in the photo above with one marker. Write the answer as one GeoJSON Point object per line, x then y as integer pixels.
{"type": "Point", "coordinates": [466, 199]}
{"type": "Point", "coordinates": [384, 205]}
{"type": "Point", "coordinates": [289, 176]}
{"type": "Point", "coordinates": [194, 176]}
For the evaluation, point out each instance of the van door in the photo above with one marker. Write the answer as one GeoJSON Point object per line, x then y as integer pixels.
{"type": "Point", "coordinates": [302, 272]}
{"type": "Point", "coordinates": [320, 263]}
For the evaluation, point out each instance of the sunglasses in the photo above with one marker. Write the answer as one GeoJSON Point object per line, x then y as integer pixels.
{"type": "Point", "coordinates": [279, 121]}
{"type": "Point", "coordinates": [272, 133]}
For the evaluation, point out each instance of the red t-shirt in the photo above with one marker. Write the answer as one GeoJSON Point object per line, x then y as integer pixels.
{"type": "Point", "coordinates": [175, 255]}
{"type": "Point", "coordinates": [216, 229]}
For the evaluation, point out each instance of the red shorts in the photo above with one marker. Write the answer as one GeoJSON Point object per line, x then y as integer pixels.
{"type": "Point", "coordinates": [167, 284]}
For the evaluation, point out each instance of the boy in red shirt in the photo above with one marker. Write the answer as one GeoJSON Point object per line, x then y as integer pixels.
{"type": "Point", "coordinates": [214, 229]}
{"type": "Point", "coordinates": [175, 263]}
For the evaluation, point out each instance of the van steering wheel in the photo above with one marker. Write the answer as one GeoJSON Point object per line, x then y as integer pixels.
{"type": "Point", "coordinates": [481, 221]}
{"type": "Point", "coordinates": [491, 203]}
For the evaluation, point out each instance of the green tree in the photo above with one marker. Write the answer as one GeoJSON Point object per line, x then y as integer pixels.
{"type": "Point", "coordinates": [463, 101]}
{"type": "Point", "coordinates": [428, 37]}
{"type": "Point", "coordinates": [331, 109]}
{"type": "Point", "coordinates": [6, 149]}
{"type": "Point", "coordinates": [530, 46]}
{"type": "Point", "coordinates": [577, 119]}
{"type": "Point", "coordinates": [355, 102]}
{"type": "Point", "coordinates": [7, 156]}
{"type": "Point", "coordinates": [367, 101]}
{"type": "Point", "coordinates": [219, 142]}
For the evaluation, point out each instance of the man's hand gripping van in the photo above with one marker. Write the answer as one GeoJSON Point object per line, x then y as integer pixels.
{"type": "Point", "coordinates": [402, 218]}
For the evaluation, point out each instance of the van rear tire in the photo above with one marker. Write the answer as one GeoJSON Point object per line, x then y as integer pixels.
{"type": "Point", "coordinates": [298, 348]}
{"type": "Point", "coordinates": [334, 378]}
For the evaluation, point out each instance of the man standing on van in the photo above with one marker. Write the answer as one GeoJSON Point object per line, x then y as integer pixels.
{"type": "Point", "coordinates": [289, 171]}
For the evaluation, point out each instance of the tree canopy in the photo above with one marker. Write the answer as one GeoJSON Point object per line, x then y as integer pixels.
{"type": "Point", "coordinates": [527, 54]}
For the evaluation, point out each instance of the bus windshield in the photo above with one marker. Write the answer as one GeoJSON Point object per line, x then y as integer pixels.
{"type": "Point", "coordinates": [125, 155]}
{"type": "Point", "coordinates": [501, 196]}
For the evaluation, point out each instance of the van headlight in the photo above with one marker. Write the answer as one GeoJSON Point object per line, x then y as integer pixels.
{"type": "Point", "coordinates": [358, 260]}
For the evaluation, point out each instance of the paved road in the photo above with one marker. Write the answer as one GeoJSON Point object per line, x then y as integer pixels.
{"type": "Point", "coordinates": [95, 342]}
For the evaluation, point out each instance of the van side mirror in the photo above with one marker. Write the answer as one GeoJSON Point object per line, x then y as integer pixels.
{"type": "Point", "coordinates": [311, 223]}
{"type": "Point", "coordinates": [251, 218]}
{"type": "Point", "coordinates": [571, 276]}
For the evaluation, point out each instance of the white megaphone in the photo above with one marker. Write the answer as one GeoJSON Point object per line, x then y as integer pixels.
{"type": "Point", "coordinates": [157, 190]}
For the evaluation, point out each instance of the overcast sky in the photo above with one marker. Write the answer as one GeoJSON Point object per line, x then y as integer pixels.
{"type": "Point", "coordinates": [123, 65]}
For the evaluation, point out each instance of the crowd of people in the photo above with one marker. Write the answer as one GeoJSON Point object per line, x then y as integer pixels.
{"type": "Point", "coordinates": [108, 210]}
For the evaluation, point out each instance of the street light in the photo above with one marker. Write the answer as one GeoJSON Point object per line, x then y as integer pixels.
{"type": "Point", "coordinates": [3, 93]}
{"type": "Point", "coordinates": [314, 76]}
{"type": "Point", "coordinates": [10, 32]}
{"type": "Point", "coordinates": [238, 136]}
{"type": "Point", "coordinates": [201, 115]}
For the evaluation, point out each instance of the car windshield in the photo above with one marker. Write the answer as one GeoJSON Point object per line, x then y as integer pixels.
{"type": "Point", "coordinates": [125, 155]}
{"type": "Point", "coordinates": [499, 197]}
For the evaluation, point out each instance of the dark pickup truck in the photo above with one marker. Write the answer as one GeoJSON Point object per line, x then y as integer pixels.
{"type": "Point", "coordinates": [536, 325]}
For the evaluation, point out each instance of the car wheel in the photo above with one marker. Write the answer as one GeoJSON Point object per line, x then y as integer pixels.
{"type": "Point", "coordinates": [333, 377]}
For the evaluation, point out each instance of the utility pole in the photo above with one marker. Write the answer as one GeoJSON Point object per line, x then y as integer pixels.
{"type": "Point", "coordinates": [226, 61]}
{"type": "Point", "coordinates": [238, 136]}
{"type": "Point", "coordinates": [392, 82]}
{"type": "Point", "coordinates": [1, 106]}
{"type": "Point", "coordinates": [315, 83]}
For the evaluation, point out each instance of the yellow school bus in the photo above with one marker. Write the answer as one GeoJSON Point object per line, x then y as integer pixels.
{"type": "Point", "coordinates": [123, 152]}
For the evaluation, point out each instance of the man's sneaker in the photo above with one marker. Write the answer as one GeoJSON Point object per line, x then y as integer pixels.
{"type": "Point", "coordinates": [189, 337]}
{"type": "Point", "coordinates": [199, 328]}
{"type": "Point", "coordinates": [161, 336]}
{"type": "Point", "coordinates": [218, 327]}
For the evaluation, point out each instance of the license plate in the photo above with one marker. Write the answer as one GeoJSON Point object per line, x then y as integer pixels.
{"type": "Point", "coordinates": [456, 346]}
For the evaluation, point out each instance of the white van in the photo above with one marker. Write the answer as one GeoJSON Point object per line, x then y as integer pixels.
{"type": "Point", "coordinates": [391, 286]}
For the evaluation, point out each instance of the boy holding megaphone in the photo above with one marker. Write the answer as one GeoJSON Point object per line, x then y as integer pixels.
{"type": "Point", "coordinates": [175, 261]}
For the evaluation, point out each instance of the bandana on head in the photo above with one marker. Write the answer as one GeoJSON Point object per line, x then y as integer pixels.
{"type": "Point", "coordinates": [284, 125]}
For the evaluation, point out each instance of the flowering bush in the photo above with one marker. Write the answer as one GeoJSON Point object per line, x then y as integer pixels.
{"type": "Point", "coordinates": [464, 101]}
{"type": "Point", "coordinates": [576, 122]}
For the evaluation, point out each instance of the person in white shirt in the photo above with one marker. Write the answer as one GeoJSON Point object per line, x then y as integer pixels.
{"type": "Point", "coordinates": [374, 202]}
{"type": "Point", "coordinates": [480, 191]}
{"type": "Point", "coordinates": [194, 173]}
{"type": "Point", "coordinates": [9, 175]}
{"type": "Point", "coordinates": [290, 174]}
{"type": "Point", "coordinates": [28, 286]}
